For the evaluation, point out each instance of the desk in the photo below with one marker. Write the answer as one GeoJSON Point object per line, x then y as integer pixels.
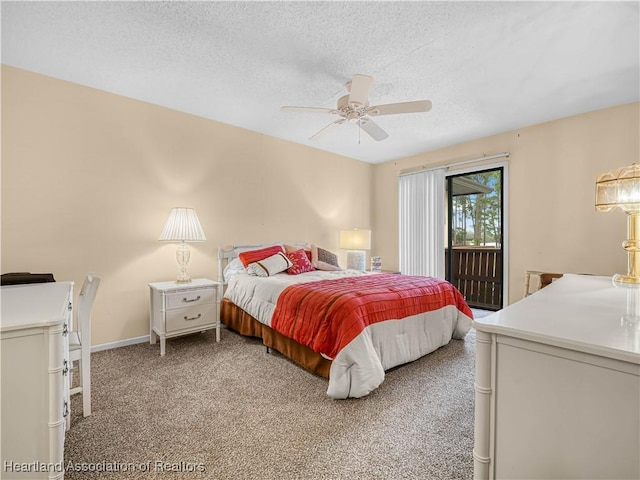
{"type": "Point", "coordinates": [558, 385]}
{"type": "Point", "coordinates": [35, 389]}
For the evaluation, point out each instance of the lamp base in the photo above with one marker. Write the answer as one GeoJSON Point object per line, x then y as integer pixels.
{"type": "Point", "coordinates": [356, 260]}
{"type": "Point", "coordinates": [182, 256]}
{"type": "Point", "coordinates": [632, 247]}
{"type": "Point", "coordinates": [620, 280]}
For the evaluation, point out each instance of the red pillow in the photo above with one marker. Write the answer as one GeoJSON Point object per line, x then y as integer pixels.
{"type": "Point", "coordinates": [256, 255]}
{"type": "Point", "coordinates": [300, 262]}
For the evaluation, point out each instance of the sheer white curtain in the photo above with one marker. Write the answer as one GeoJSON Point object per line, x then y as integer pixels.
{"type": "Point", "coordinates": [422, 217]}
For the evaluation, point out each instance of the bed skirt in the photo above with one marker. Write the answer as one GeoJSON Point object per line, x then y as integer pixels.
{"type": "Point", "coordinates": [237, 319]}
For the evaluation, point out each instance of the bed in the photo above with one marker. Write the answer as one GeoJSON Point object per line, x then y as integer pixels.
{"type": "Point", "coordinates": [345, 325]}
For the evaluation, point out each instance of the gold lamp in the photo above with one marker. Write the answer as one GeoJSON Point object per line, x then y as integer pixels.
{"type": "Point", "coordinates": [621, 188]}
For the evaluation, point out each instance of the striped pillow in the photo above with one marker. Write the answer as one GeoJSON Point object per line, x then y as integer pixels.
{"type": "Point", "coordinates": [269, 266]}
{"type": "Point", "coordinates": [256, 255]}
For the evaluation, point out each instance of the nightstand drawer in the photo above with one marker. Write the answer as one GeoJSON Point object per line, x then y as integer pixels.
{"type": "Point", "coordinates": [183, 308]}
{"type": "Point", "coordinates": [191, 317]}
{"type": "Point", "coordinates": [190, 298]}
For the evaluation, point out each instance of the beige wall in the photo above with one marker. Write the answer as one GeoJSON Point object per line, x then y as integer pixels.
{"type": "Point", "coordinates": [89, 178]}
{"type": "Point", "coordinates": [553, 225]}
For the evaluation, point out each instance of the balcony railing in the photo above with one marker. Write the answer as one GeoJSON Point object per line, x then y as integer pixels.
{"type": "Point", "coordinates": [477, 273]}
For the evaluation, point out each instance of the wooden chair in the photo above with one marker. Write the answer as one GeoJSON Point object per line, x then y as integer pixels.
{"type": "Point", "coordinates": [544, 279]}
{"type": "Point", "coordinates": [80, 340]}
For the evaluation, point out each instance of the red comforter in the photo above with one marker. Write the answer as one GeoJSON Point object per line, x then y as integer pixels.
{"type": "Point", "coordinates": [326, 315]}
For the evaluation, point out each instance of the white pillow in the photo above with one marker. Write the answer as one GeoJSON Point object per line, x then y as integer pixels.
{"type": "Point", "coordinates": [234, 267]}
{"type": "Point", "coordinates": [269, 266]}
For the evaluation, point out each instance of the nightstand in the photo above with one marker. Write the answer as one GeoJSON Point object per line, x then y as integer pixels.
{"type": "Point", "coordinates": [182, 308]}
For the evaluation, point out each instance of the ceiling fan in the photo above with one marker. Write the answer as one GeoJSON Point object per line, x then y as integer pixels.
{"type": "Point", "coordinates": [354, 107]}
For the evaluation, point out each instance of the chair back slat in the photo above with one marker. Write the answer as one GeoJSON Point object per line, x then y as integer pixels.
{"type": "Point", "coordinates": [84, 305]}
{"type": "Point", "coordinates": [80, 350]}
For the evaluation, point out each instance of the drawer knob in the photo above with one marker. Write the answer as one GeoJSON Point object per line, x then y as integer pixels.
{"type": "Point", "coordinates": [189, 300]}
{"type": "Point", "coordinates": [193, 318]}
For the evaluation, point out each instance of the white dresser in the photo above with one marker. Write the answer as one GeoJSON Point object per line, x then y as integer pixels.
{"type": "Point", "coordinates": [558, 385]}
{"type": "Point", "coordinates": [35, 394]}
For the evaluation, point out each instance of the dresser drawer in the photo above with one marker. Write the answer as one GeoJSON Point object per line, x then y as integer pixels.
{"type": "Point", "coordinates": [191, 317]}
{"type": "Point", "coordinates": [189, 298]}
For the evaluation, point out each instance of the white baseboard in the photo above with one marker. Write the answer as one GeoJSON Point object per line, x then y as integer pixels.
{"type": "Point", "coordinates": [128, 341]}
{"type": "Point", "coordinates": [119, 343]}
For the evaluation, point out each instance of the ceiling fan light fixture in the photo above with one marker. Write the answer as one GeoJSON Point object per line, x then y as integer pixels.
{"type": "Point", "coordinates": [355, 108]}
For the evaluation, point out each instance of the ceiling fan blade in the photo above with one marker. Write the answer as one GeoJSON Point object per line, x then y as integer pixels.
{"type": "Point", "coordinates": [404, 107]}
{"type": "Point", "coordinates": [359, 89]}
{"type": "Point", "coordinates": [373, 129]}
{"type": "Point", "coordinates": [322, 132]}
{"type": "Point", "coordinates": [307, 109]}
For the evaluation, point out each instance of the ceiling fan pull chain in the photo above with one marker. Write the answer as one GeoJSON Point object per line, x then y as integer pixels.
{"type": "Point", "coordinates": [359, 128]}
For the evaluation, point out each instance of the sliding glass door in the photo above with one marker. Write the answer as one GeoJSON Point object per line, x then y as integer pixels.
{"type": "Point", "coordinates": [474, 251]}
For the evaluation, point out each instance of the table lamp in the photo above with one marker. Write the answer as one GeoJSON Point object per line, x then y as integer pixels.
{"type": "Point", "coordinates": [356, 241]}
{"type": "Point", "coordinates": [621, 188]}
{"type": "Point", "coordinates": [182, 226]}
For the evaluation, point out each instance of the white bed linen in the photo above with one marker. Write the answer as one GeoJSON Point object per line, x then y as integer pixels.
{"type": "Point", "coordinates": [358, 368]}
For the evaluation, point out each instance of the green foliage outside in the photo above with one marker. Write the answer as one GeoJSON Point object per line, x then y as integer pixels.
{"type": "Point", "coordinates": [476, 217]}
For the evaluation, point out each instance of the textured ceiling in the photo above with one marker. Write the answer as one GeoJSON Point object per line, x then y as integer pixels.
{"type": "Point", "coordinates": [488, 67]}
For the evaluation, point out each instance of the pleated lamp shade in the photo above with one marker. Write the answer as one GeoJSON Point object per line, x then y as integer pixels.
{"type": "Point", "coordinates": [182, 225]}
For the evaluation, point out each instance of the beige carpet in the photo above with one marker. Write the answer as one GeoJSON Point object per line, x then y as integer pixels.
{"type": "Point", "coordinates": [232, 411]}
